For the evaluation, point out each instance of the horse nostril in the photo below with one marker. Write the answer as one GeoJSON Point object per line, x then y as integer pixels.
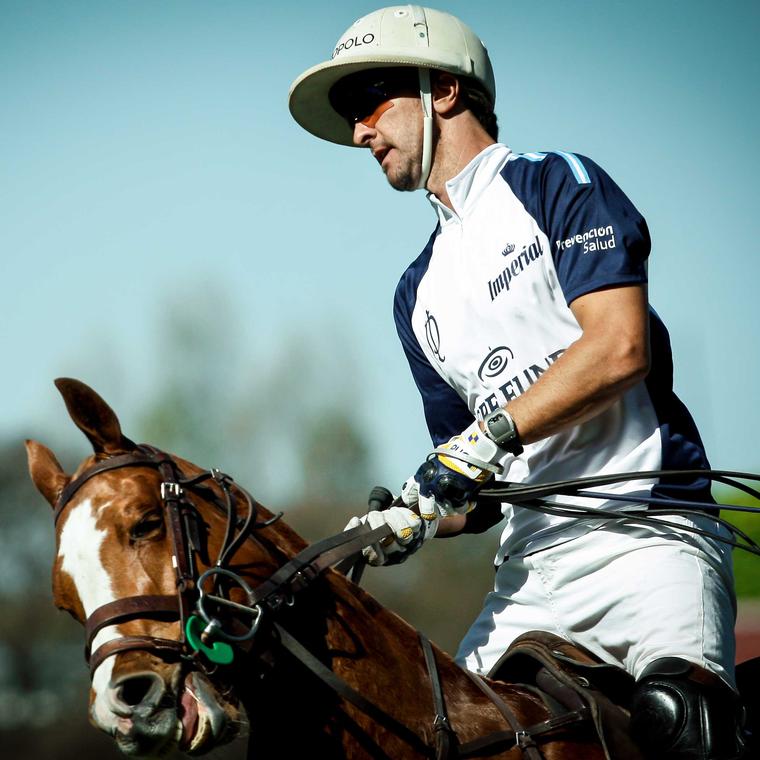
{"type": "Point", "coordinates": [137, 690]}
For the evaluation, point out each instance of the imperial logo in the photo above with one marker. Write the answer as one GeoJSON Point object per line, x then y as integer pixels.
{"type": "Point", "coordinates": [509, 249]}
{"type": "Point", "coordinates": [516, 266]}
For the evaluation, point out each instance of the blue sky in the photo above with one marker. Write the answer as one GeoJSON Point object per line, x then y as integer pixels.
{"type": "Point", "coordinates": [147, 157]}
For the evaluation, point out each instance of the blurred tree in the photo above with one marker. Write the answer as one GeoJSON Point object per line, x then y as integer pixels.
{"type": "Point", "coordinates": [43, 677]}
{"type": "Point", "coordinates": [335, 459]}
{"type": "Point", "coordinates": [197, 363]}
{"type": "Point", "coordinates": [217, 404]}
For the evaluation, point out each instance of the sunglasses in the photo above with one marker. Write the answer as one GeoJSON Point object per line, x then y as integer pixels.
{"type": "Point", "coordinates": [363, 99]}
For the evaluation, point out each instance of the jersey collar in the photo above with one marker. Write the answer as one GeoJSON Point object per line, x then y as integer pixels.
{"type": "Point", "coordinates": [465, 188]}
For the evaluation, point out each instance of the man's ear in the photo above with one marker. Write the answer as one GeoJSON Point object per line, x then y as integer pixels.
{"type": "Point", "coordinates": [446, 92]}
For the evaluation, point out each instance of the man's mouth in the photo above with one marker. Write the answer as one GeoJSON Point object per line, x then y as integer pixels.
{"type": "Point", "coordinates": [380, 154]}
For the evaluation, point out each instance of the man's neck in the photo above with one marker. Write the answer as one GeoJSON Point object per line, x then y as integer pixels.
{"type": "Point", "coordinates": [454, 149]}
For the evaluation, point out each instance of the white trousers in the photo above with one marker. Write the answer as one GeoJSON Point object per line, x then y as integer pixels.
{"type": "Point", "coordinates": [630, 594]}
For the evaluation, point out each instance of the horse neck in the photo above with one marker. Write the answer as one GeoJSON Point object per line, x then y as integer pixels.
{"type": "Point", "coordinates": [368, 646]}
{"type": "Point", "coordinates": [373, 651]}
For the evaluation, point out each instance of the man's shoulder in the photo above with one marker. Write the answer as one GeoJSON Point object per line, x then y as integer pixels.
{"type": "Point", "coordinates": [558, 166]}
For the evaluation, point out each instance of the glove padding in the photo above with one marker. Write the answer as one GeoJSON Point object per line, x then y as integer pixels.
{"type": "Point", "coordinates": [409, 532]}
{"type": "Point", "coordinates": [448, 481]}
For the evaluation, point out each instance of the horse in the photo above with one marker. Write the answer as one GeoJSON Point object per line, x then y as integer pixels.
{"type": "Point", "coordinates": [165, 564]}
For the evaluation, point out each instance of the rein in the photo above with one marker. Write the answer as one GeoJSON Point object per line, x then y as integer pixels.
{"type": "Point", "coordinates": [636, 508]}
{"type": "Point", "coordinates": [294, 576]}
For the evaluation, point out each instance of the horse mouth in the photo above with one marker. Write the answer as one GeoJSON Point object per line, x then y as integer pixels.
{"type": "Point", "coordinates": [202, 722]}
{"type": "Point", "coordinates": [194, 726]}
{"type": "Point", "coordinates": [192, 717]}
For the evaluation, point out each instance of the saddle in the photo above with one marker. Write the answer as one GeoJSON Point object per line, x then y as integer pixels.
{"type": "Point", "coordinates": [569, 678]}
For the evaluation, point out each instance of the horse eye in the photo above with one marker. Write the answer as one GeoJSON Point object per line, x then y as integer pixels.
{"type": "Point", "coordinates": [146, 527]}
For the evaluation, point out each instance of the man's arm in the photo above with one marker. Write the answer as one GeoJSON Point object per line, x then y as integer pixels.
{"type": "Point", "coordinates": [611, 356]}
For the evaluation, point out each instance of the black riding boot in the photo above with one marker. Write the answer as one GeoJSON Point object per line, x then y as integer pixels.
{"type": "Point", "coordinates": [681, 712]}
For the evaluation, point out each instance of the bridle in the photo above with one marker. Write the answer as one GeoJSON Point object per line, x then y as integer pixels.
{"type": "Point", "coordinates": [183, 527]}
{"type": "Point", "coordinates": [201, 632]}
{"type": "Point", "coordinates": [193, 606]}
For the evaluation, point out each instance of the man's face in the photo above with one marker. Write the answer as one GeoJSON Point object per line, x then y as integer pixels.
{"type": "Point", "coordinates": [383, 108]}
{"type": "Point", "coordinates": [395, 140]}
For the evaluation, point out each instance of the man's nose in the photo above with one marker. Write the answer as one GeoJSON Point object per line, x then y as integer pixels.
{"type": "Point", "coordinates": [363, 134]}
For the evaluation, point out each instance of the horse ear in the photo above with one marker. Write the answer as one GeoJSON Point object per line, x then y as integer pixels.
{"type": "Point", "coordinates": [93, 417]}
{"type": "Point", "coordinates": [46, 473]}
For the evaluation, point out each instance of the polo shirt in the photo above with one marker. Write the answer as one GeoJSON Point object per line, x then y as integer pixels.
{"type": "Point", "coordinates": [484, 311]}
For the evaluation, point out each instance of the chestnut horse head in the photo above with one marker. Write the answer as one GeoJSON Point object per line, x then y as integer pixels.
{"type": "Point", "coordinates": [129, 551]}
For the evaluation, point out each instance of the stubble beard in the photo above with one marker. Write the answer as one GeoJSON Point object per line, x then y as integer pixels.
{"type": "Point", "coordinates": [406, 175]}
{"type": "Point", "coordinates": [405, 178]}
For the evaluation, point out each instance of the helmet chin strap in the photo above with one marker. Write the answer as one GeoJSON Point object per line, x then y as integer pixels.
{"type": "Point", "coordinates": [427, 127]}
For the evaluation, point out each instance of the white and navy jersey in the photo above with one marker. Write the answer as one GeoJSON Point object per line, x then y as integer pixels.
{"type": "Point", "coordinates": [484, 311]}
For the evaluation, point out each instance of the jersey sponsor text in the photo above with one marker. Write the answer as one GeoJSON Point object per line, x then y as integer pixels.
{"type": "Point", "coordinates": [595, 239]}
{"type": "Point", "coordinates": [518, 264]}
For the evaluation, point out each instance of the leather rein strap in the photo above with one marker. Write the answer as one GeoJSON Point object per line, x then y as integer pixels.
{"type": "Point", "coordinates": [446, 745]}
{"type": "Point", "coordinates": [340, 687]}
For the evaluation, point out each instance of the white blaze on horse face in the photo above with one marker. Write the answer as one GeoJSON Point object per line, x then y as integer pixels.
{"type": "Point", "coordinates": [79, 551]}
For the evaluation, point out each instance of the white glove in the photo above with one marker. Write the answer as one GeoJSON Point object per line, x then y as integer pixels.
{"type": "Point", "coordinates": [447, 483]}
{"type": "Point", "coordinates": [409, 531]}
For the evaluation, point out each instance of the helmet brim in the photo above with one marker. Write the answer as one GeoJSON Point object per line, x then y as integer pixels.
{"type": "Point", "coordinates": [309, 100]}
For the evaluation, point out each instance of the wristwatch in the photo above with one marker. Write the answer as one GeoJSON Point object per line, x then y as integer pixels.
{"type": "Point", "coordinates": [500, 428]}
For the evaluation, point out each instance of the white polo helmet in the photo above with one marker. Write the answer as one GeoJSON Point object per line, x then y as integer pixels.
{"type": "Point", "coordinates": [401, 35]}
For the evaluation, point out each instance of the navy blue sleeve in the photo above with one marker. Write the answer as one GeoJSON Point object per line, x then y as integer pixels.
{"type": "Point", "coordinates": [445, 412]}
{"type": "Point", "coordinates": [598, 239]}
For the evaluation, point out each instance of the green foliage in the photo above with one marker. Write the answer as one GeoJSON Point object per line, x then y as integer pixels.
{"type": "Point", "coordinates": [746, 565]}
{"type": "Point", "coordinates": [276, 425]}
{"type": "Point", "coordinates": [334, 456]}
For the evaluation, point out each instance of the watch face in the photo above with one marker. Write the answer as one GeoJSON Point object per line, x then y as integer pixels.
{"type": "Point", "coordinates": [500, 424]}
{"type": "Point", "coordinates": [501, 429]}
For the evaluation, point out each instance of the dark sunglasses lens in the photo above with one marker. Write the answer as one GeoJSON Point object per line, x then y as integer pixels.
{"type": "Point", "coordinates": [355, 104]}
{"type": "Point", "coordinates": [357, 97]}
